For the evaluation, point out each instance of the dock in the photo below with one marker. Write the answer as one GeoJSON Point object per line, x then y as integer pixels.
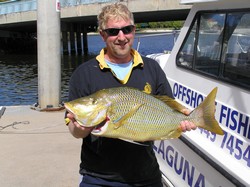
{"type": "Point", "coordinates": [37, 149]}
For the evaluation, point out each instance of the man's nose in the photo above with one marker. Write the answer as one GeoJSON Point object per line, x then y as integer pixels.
{"type": "Point", "coordinates": [121, 35]}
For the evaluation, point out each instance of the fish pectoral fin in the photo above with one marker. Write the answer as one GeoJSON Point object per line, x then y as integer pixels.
{"type": "Point", "coordinates": [121, 121]}
{"type": "Point", "coordinates": [133, 142]}
{"type": "Point", "coordinates": [171, 102]}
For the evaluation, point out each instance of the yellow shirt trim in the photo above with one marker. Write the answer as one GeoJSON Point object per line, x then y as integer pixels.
{"type": "Point", "coordinates": [67, 120]}
{"type": "Point", "coordinates": [137, 60]}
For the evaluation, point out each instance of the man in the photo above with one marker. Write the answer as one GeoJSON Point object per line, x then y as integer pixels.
{"type": "Point", "coordinates": [113, 162]}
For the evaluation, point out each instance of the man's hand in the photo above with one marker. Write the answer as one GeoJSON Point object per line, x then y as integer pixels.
{"type": "Point", "coordinates": [76, 129]}
{"type": "Point", "coordinates": [187, 125]}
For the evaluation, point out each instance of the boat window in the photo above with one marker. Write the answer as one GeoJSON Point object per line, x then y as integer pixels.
{"type": "Point", "coordinates": [218, 45]}
{"type": "Point", "coordinates": [237, 48]}
{"type": "Point", "coordinates": [209, 43]}
{"type": "Point", "coordinates": [185, 56]}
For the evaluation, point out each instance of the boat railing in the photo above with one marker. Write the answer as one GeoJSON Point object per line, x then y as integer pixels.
{"type": "Point", "coordinates": [175, 34]}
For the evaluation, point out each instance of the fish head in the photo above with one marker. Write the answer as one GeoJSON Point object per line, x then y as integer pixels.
{"type": "Point", "coordinates": [88, 111]}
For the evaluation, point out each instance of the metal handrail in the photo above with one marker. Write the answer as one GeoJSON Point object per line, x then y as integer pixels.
{"type": "Point", "coordinates": [14, 6]}
{"type": "Point", "coordinates": [9, 7]}
{"type": "Point", "coordinates": [174, 33]}
{"type": "Point", "coordinates": [65, 3]}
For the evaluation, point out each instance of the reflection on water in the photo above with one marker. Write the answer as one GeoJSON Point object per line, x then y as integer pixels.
{"type": "Point", "coordinates": [17, 77]}
{"type": "Point", "coordinates": [18, 85]}
{"type": "Point", "coordinates": [18, 73]}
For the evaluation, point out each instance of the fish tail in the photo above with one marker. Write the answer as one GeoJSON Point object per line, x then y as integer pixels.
{"type": "Point", "coordinates": [203, 115]}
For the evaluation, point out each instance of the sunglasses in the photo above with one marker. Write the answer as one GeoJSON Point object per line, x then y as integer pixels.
{"type": "Point", "coordinates": [115, 31]}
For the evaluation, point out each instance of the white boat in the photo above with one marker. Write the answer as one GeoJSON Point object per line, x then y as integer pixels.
{"type": "Point", "coordinates": [212, 50]}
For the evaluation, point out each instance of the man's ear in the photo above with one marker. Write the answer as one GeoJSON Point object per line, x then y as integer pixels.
{"type": "Point", "coordinates": [102, 33]}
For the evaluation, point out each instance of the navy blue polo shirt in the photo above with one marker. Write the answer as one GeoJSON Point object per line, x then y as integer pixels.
{"type": "Point", "coordinates": [114, 159]}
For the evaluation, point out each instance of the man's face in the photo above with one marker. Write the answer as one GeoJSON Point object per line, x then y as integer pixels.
{"type": "Point", "coordinates": [118, 46]}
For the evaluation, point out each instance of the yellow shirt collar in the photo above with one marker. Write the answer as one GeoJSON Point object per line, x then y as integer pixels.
{"type": "Point", "coordinates": [137, 60]}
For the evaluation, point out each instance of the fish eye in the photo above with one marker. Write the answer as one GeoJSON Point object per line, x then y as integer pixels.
{"type": "Point", "coordinates": [93, 101]}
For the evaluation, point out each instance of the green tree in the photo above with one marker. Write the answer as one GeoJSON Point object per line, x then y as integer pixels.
{"type": "Point", "coordinates": [164, 24]}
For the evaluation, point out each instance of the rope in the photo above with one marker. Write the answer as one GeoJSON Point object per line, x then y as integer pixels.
{"type": "Point", "coordinates": [29, 131]}
{"type": "Point", "coordinates": [13, 125]}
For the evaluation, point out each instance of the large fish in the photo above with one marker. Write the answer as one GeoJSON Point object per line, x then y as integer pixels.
{"type": "Point", "coordinates": [130, 114]}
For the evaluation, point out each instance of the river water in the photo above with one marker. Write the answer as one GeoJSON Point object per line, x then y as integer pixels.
{"type": "Point", "coordinates": [18, 73]}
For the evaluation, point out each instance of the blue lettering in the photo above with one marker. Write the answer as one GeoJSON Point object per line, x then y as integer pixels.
{"type": "Point", "coordinates": [170, 160]}
{"type": "Point", "coordinates": [199, 100]}
{"type": "Point", "coordinates": [178, 170]}
{"type": "Point", "coordinates": [234, 120]}
{"type": "Point", "coordinates": [175, 90]}
{"type": "Point", "coordinates": [155, 147]}
{"type": "Point", "coordinates": [243, 124]}
{"type": "Point", "coordinates": [188, 96]}
{"type": "Point", "coordinates": [180, 91]}
{"type": "Point", "coordinates": [228, 116]}
{"type": "Point", "coordinates": [193, 99]}
{"type": "Point", "coordinates": [161, 149]}
{"type": "Point", "coordinates": [248, 136]}
{"type": "Point", "coordinates": [200, 181]}
{"type": "Point", "coordinates": [181, 166]}
{"type": "Point", "coordinates": [188, 173]}
{"type": "Point", "coordinates": [184, 93]}
{"type": "Point", "coordinates": [223, 113]}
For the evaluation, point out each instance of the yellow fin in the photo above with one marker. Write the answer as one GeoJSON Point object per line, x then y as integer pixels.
{"type": "Point", "coordinates": [134, 142]}
{"type": "Point", "coordinates": [171, 102]}
{"type": "Point", "coordinates": [204, 114]}
{"type": "Point", "coordinates": [121, 121]}
{"type": "Point", "coordinates": [176, 133]}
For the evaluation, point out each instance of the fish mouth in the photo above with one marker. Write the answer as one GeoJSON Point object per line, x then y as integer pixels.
{"type": "Point", "coordinates": [68, 108]}
{"type": "Point", "coordinates": [100, 127]}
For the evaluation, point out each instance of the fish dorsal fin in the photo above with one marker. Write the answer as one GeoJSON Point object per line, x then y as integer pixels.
{"type": "Point", "coordinates": [171, 102]}
{"type": "Point", "coordinates": [122, 120]}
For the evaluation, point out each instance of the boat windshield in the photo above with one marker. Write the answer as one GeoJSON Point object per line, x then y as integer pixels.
{"type": "Point", "coordinates": [218, 45]}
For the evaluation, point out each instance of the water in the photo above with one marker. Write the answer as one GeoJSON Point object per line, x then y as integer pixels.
{"type": "Point", "coordinates": [18, 73]}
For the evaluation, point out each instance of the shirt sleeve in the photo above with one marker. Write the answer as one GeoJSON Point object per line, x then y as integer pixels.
{"type": "Point", "coordinates": [162, 84]}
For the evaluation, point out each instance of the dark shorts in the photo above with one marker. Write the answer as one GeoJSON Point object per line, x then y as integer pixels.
{"type": "Point", "coordinates": [90, 181]}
